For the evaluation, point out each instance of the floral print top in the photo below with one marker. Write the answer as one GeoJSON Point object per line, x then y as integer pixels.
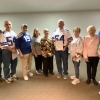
{"type": "Point", "coordinates": [47, 46]}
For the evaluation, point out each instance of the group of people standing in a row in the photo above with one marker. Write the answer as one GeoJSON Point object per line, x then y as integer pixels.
{"type": "Point", "coordinates": [43, 49]}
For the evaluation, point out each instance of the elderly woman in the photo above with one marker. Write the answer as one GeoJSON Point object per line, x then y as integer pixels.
{"type": "Point", "coordinates": [91, 55]}
{"type": "Point", "coordinates": [47, 48]}
{"type": "Point", "coordinates": [36, 39]}
{"type": "Point", "coordinates": [76, 49]}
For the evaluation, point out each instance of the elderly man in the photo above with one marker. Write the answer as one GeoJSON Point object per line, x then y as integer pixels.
{"type": "Point", "coordinates": [9, 55]}
{"type": "Point", "coordinates": [62, 34]}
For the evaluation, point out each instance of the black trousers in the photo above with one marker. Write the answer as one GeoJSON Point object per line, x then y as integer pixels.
{"type": "Point", "coordinates": [0, 63]}
{"type": "Point", "coordinates": [47, 65]}
{"type": "Point", "coordinates": [92, 67]}
{"type": "Point", "coordinates": [38, 62]}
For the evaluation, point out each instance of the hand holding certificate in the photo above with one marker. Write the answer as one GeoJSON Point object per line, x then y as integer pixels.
{"type": "Point", "coordinates": [59, 45]}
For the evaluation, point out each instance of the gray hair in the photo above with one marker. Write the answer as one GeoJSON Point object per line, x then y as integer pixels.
{"type": "Point", "coordinates": [60, 20]}
{"type": "Point", "coordinates": [91, 26]}
{"type": "Point", "coordinates": [45, 30]}
{"type": "Point", "coordinates": [6, 22]}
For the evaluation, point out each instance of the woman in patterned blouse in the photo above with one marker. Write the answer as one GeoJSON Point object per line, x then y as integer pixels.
{"type": "Point", "coordinates": [47, 49]}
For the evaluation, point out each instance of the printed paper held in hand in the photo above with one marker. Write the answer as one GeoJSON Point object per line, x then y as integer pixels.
{"type": "Point", "coordinates": [59, 45]}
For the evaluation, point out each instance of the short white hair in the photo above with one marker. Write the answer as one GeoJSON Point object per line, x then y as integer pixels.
{"type": "Point", "coordinates": [60, 20]}
{"type": "Point", "coordinates": [91, 26]}
{"type": "Point", "coordinates": [46, 29]}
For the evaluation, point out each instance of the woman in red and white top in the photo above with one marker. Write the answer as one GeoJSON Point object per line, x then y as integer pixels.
{"type": "Point", "coordinates": [91, 55]}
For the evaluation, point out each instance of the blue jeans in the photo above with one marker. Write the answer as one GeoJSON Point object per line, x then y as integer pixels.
{"type": "Point", "coordinates": [62, 56]}
{"type": "Point", "coordinates": [0, 63]}
{"type": "Point", "coordinates": [13, 66]}
{"type": "Point", "coordinates": [6, 59]}
{"type": "Point", "coordinates": [76, 66]}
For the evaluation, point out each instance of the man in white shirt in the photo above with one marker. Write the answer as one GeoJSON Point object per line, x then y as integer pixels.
{"type": "Point", "coordinates": [9, 55]}
{"type": "Point", "coordinates": [62, 34]}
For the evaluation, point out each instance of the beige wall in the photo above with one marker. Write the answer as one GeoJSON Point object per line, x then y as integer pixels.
{"type": "Point", "coordinates": [49, 20]}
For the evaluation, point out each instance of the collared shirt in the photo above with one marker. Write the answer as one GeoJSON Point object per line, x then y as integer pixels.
{"type": "Point", "coordinates": [23, 42]}
{"type": "Point", "coordinates": [47, 46]}
{"type": "Point", "coordinates": [63, 35]}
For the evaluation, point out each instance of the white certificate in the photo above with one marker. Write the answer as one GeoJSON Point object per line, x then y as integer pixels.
{"type": "Point", "coordinates": [59, 45]}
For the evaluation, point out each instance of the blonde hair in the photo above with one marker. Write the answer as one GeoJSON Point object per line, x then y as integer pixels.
{"type": "Point", "coordinates": [77, 28]}
{"type": "Point", "coordinates": [91, 26]}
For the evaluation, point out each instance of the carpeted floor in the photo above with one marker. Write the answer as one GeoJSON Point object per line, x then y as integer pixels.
{"type": "Point", "coordinates": [41, 88]}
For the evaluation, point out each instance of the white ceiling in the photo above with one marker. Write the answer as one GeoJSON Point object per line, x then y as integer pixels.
{"type": "Point", "coordinates": [19, 6]}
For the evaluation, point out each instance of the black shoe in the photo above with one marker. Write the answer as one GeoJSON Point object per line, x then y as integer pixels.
{"type": "Point", "coordinates": [88, 81]}
{"type": "Point", "coordinates": [95, 82]}
{"type": "Point", "coordinates": [2, 80]}
{"type": "Point", "coordinates": [45, 75]}
{"type": "Point", "coordinates": [52, 73]}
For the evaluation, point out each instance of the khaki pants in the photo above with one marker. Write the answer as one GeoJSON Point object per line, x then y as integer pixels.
{"type": "Point", "coordinates": [26, 63]}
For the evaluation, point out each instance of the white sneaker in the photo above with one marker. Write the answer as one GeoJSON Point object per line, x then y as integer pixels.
{"type": "Point", "coordinates": [38, 72]}
{"type": "Point", "coordinates": [65, 77]}
{"type": "Point", "coordinates": [9, 80]}
{"type": "Point", "coordinates": [59, 76]}
{"type": "Point", "coordinates": [73, 77]}
{"type": "Point", "coordinates": [26, 78]}
{"type": "Point", "coordinates": [75, 81]}
{"type": "Point", "coordinates": [14, 77]}
{"type": "Point", "coordinates": [30, 74]}
{"type": "Point", "coordinates": [41, 70]}
{"type": "Point", "coordinates": [99, 93]}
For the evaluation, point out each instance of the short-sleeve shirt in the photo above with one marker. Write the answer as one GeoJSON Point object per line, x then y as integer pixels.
{"type": "Point", "coordinates": [36, 45]}
{"type": "Point", "coordinates": [8, 39]}
{"type": "Point", "coordinates": [23, 42]}
{"type": "Point", "coordinates": [63, 35]}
